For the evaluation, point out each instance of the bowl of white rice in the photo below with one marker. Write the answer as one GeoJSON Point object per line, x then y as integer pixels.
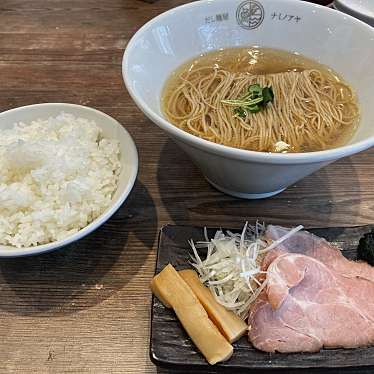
{"type": "Point", "coordinates": [64, 170]}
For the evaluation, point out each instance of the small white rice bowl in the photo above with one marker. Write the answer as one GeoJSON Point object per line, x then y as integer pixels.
{"type": "Point", "coordinates": [58, 174]}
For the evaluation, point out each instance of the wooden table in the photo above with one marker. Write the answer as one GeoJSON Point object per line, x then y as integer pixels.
{"type": "Point", "coordinates": [86, 308]}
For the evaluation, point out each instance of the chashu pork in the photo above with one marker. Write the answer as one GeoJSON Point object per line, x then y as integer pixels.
{"type": "Point", "coordinates": [314, 298]}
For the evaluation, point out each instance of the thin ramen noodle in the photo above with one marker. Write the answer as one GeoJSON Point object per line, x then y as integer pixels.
{"type": "Point", "coordinates": [313, 108]}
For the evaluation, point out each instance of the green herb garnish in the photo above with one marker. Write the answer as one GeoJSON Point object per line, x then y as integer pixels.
{"type": "Point", "coordinates": [253, 101]}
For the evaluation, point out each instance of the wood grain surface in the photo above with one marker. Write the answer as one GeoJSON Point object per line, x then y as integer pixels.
{"type": "Point", "coordinates": [86, 308]}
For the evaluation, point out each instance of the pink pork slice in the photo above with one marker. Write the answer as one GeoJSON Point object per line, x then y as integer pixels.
{"type": "Point", "coordinates": [314, 298]}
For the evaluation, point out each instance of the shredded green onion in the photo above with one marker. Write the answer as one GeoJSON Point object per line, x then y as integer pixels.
{"type": "Point", "coordinates": [232, 265]}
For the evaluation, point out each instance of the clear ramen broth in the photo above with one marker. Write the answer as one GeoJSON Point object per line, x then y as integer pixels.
{"type": "Point", "coordinates": [312, 109]}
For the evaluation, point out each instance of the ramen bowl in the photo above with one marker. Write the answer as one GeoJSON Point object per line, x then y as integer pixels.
{"type": "Point", "coordinates": [323, 34]}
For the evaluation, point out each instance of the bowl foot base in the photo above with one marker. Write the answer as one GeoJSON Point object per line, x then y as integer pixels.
{"type": "Point", "coordinates": [243, 195]}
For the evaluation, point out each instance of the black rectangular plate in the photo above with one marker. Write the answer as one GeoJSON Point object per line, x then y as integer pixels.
{"type": "Point", "coordinates": [170, 346]}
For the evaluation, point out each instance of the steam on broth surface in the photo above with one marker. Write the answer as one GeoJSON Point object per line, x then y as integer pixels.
{"type": "Point", "coordinates": [261, 99]}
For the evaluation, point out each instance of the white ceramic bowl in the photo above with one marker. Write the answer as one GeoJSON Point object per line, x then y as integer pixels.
{"type": "Point", "coordinates": [328, 36]}
{"type": "Point", "coordinates": [361, 9]}
{"type": "Point", "coordinates": [111, 129]}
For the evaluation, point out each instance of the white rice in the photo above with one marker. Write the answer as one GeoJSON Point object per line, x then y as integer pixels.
{"type": "Point", "coordinates": [56, 176]}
